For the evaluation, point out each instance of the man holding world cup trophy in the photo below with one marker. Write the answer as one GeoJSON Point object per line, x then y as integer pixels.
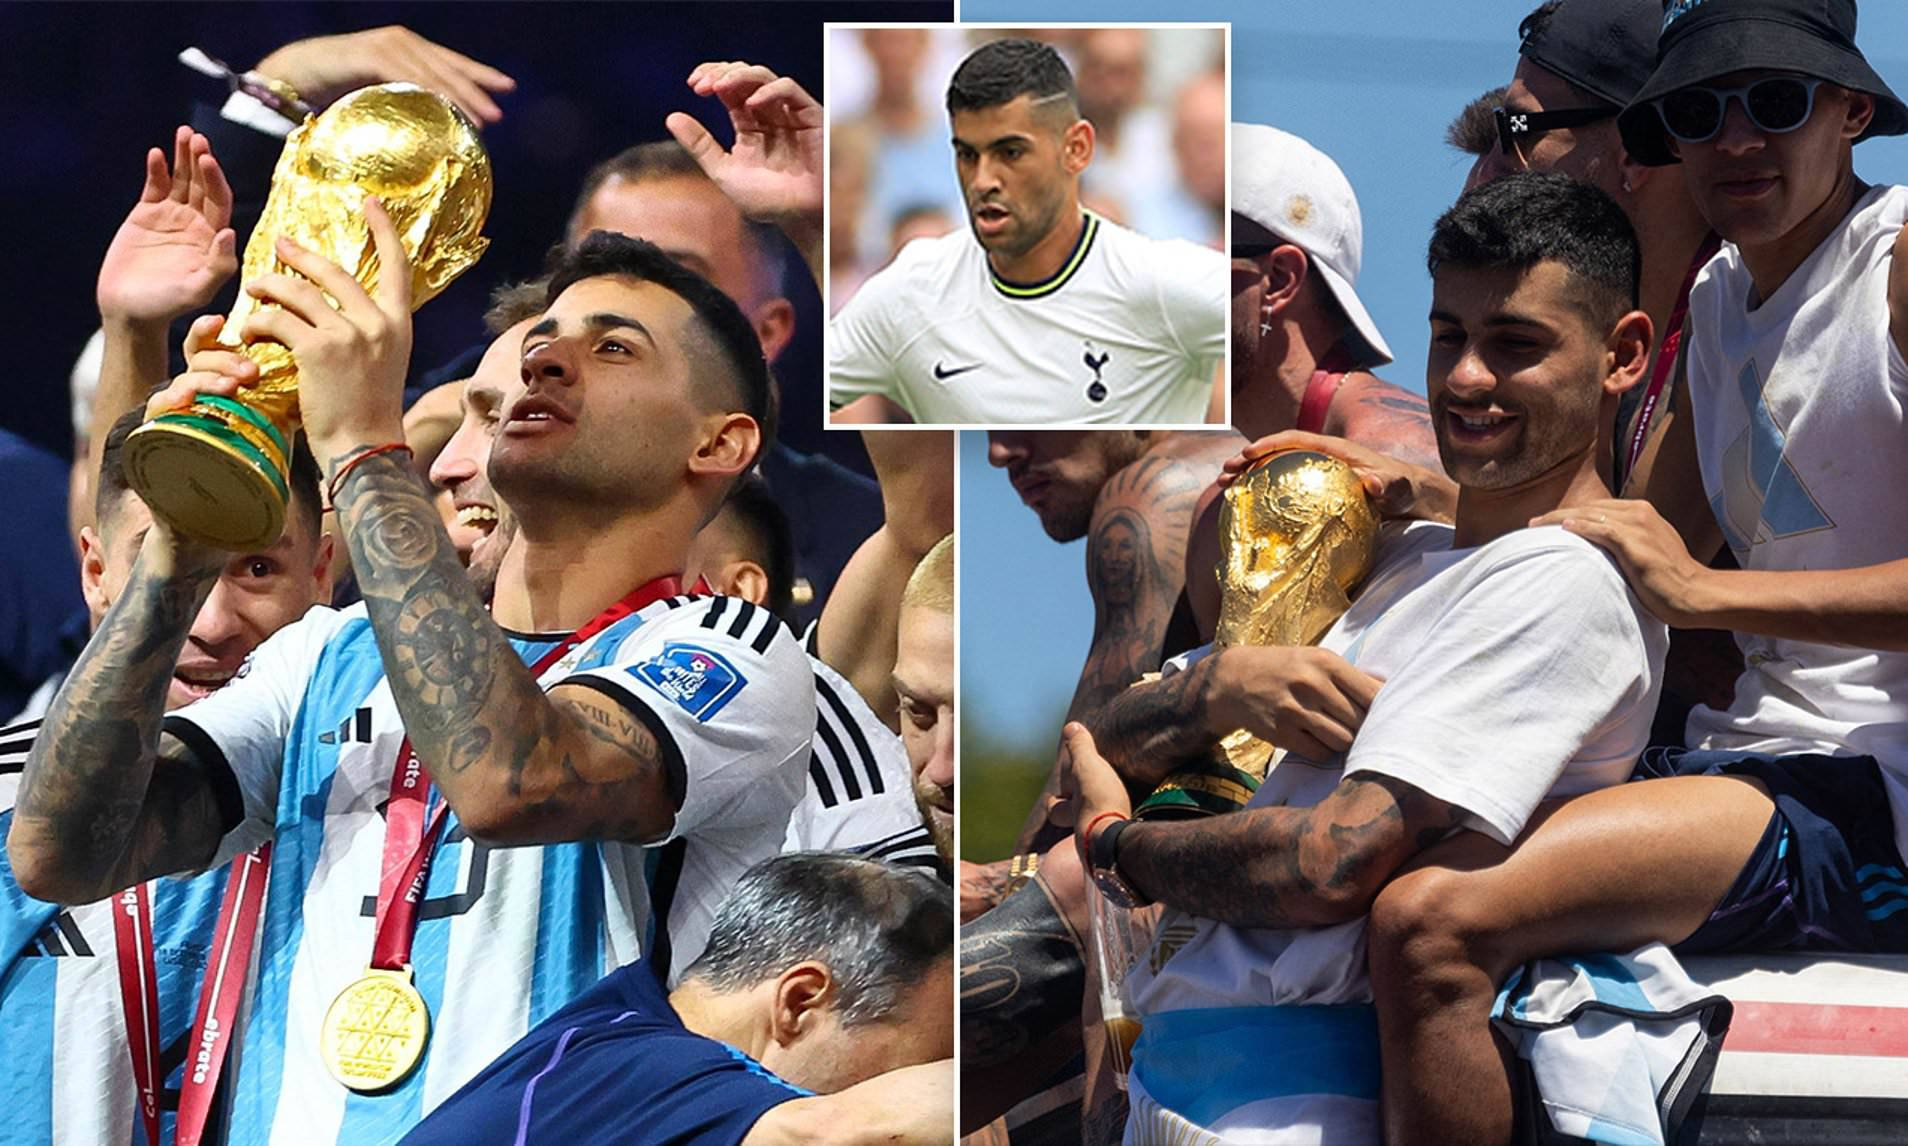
{"type": "Point", "coordinates": [1479, 669]}
{"type": "Point", "coordinates": [637, 748]}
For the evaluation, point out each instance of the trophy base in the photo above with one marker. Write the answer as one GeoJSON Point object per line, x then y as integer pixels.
{"type": "Point", "coordinates": [1194, 793]}
{"type": "Point", "coordinates": [207, 482]}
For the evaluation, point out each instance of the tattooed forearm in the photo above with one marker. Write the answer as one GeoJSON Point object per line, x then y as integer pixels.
{"type": "Point", "coordinates": [1022, 974]}
{"type": "Point", "coordinates": [1283, 866]}
{"type": "Point", "coordinates": [1150, 729]}
{"type": "Point", "coordinates": [516, 765]}
{"type": "Point", "coordinates": [97, 809]}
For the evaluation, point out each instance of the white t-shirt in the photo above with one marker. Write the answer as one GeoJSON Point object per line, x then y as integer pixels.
{"type": "Point", "coordinates": [1798, 408]}
{"type": "Point", "coordinates": [505, 936]}
{"type": "Point", "coordinates": [1512, 671]}
{"type": "Point", "coordinates": [1129, 332]}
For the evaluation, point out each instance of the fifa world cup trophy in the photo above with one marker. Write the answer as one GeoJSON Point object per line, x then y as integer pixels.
{"type": "Point", "coordinates": [216, 471]}
{"type": "Point", "coordinates": [1299, 533]}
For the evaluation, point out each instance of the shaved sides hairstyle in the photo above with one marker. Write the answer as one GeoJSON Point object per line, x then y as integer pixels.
{"type": "Point", "coordinates": [878, 928]}
{"type": "Point", "coordinates": [1521, 220]}
{"type": "Point", "coordinates": [1004, 70]}
{"type": "Point", "coordinates": [931, 585]}
{"type": "Point", "coordinates": [739, 370]}
{"type": "Point", "coordinates": [112, 488]}
{"type": "Point", "coordinates": [763, 534]}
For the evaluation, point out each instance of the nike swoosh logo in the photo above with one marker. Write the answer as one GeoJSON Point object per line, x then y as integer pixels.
{"type": "Point", "coordinates": [941, 375]}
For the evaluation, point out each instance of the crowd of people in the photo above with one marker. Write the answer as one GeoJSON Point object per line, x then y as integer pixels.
{"type": "Point", "coordinates": [577, 763]}
{"type": "Point", "coordinates": [1623, 681]}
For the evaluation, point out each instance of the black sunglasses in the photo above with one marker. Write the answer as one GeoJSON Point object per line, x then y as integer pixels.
{"type": "Point", "coordinates": [1775, 104]}
{"type": "Point", "coordinates": [1514, 127]}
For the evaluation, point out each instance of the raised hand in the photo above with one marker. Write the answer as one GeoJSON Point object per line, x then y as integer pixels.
{"type": "Point", "coordinates": [176, 247]}
{"type": "Point", "coordinates": [352, 359]}
{"type": "Point", "coordinates": [326, 67]}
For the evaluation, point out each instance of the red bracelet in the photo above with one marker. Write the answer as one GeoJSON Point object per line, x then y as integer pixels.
{"type": "Point", "coordinates": [1086, 837]}
{"type": "Point", "coordinates": [337, 479]}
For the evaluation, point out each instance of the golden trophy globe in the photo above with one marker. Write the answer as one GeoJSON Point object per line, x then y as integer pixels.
{"type": "Point", "coordinates": [216, 471]}
{"type": "Point", "coordinates": [1298, 533]}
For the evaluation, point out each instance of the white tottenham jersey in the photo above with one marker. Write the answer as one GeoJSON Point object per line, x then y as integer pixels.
{"type": "Point", "coordinates": [1129, 332]}
{"type": "Point", "coordinates": [505, 936]}
{"type": "Point", "coordinates": [860, 795]}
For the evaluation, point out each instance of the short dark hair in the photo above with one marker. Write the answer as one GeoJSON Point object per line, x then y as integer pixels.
{"type": "Point", "coordinates": [1001, 71]}
{"type": "Point", "coordinates": [1474, 130]}
{"type": "Point", "coordinates": [112, 487]}
{"type": "Point", "coordinates": [511, 303]}
{"type": "Point", "coordinates": [1521, 220]}
{"type": "Point", "coordinates": [605, 253]}
{"type": "Point", "coordinates": [667, 159]}
{"type": "Point", "coordinates": [766, 538]}
{"type": "Point", "coordinates": [877, 927]}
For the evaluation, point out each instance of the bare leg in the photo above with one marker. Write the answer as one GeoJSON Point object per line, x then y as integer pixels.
{"type": "Point", "coordinates": [1608, 871]}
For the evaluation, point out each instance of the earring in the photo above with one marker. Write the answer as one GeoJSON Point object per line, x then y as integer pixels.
{"type": "Point", "coordinates": [1265, 328]}
{"type": "Point", "coordinates": [1627, 189]}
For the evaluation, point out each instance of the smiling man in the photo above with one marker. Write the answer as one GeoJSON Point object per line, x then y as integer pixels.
{"type": "Point", "coordinates": [1483, 667]}
{"type": "Point", "coordinates": [1041, 313]}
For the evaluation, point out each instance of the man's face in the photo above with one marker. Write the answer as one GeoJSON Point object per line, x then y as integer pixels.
{"type": "Point", "coordinates": [695, 224]}
{"type": "Point", "coordinates": [1058, 473]}
{"type": "Point", "coordinates": [1591, 154]}
{"type": "Point", "coordinates": [256, 595]}
{"type": "Point", "coordinates": [1248, 297]}
{"type": "Point", "coordinates": [461, 467]}
{"type": "Point", "coordinates": [833, 1058]}
{"type": "Point", "coordinates": [603, 410]}
{"type": "Point", "coordinates": [1514, 374]}
{"type": "Point", "coordinates": [1112, 75]}
{"type": "Point", "coordinates": [1199, 139]}
{"type": "Point", "coordinates": [1117, 559]}
{"type": "Point", "coordinates": [1755, 187]}
{"type": "Point", "coordinates": [1013, 164]}
{"type": "Point", "coordinates": [924, 680]}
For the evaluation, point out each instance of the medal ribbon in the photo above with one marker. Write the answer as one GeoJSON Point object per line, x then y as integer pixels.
{"type": "Point", "coordinates": [409, 842]}
{"type": "Point", "coordinates": [1666, 357]}
{"type": "Point", "coordinates": [139, 995]}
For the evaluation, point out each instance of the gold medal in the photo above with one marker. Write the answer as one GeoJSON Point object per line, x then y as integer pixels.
{"type": "Point", "coordinates": [375, 1031]}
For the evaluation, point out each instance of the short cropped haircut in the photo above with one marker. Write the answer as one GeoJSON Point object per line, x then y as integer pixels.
{"type": "Point", "coordinates": [112, 487]}
{"type": "Point", "coordinates": [766, 539]}
{"type": "Point", "coordinates": [1474, 130]}
{"type": "Point", "coordinates": [877, 927]}
{"type": "Point", "coordinates": [605, 253]}
{"type": "Point", "coordinates": [1001, 71]}
{"type": "Point", "coordinates": [931, 585]}
{"type": "Point", "coordinates": [1521, 220]}
{"type": "Point", "coordinates": [667, 159]}
{"type": "Point", "coordinates": [512, 303]}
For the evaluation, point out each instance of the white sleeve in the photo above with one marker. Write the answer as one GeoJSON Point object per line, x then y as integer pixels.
{"type": "Point", "coordinates": [242, 728]}
{"type": "Point", "coordinates": [729, 694]}
{"type": "Point", "coordinates": [861, 340]}
{"type": "Point", "coordinates": [1193, 285]}
{"type": "Point", "coordinates": [1515, 680]}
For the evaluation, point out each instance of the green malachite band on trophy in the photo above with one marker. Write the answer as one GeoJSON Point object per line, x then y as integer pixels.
{"type": "Point", "coordinates": [1207, 791]}
{"type": "Point", "coordinates": [252, 417]}
{"type": "Point", "coordinates": [225, 436]}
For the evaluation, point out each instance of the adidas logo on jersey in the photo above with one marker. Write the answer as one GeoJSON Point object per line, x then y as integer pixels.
{"type": "Point", "coordinates": [354, 729]}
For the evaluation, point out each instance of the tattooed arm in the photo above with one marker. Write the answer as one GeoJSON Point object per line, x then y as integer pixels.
{"type": "Point", "coordinates": [108, 800]}
{"type": "Point", "coordinates": [1386, 418]}
{"type": "Point", "coordinates": [1136, 561]}
{"type": "Point", "coordinates": [1266, 867]}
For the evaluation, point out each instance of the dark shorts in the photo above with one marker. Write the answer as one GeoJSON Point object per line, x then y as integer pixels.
{"type": "Point", "coordinates": [1826, 874]}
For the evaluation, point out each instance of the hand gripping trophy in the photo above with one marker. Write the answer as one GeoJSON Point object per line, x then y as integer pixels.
{"type": "Point", "coordinates": [1299, 533]}
{"type": "Point", "coordinates": [216, 470]}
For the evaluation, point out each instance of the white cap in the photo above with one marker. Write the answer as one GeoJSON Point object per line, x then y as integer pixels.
{"type": "Point", "coordinates": [1295, 191]}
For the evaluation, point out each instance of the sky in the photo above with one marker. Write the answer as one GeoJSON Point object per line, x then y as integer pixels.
{"type": "Point", "coordinates": [1372, 83]}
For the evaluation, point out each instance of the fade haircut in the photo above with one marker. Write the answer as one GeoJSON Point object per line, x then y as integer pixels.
{"type": "Point", "coordinates": [743, 371]}
{"type": "Point", "coordinates": [112, 488]}
{"type": "Point", "coordinates": [1518, 221]}
{"type": "Point", "coordinates": [765, 537]}
{"type": "Point", "coordinates": [512, 303]}
{"type": "Point", "coordinates": [931, 585]}
{"type": "Point", "coordinates": [878, 928]}
{"type": "Point", "coordinates": [667, 159]}
{"type": "Point", "coordinates": [1002, 71]}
